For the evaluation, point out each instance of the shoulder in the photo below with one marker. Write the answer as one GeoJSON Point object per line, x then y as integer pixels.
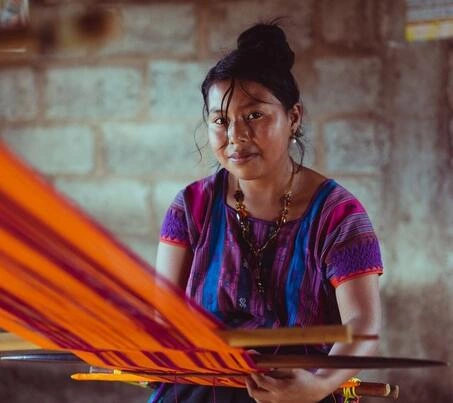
{"type": "Point", "coordinates": [317, 194]}
{"type": "Point", "coordinates": [344, 208]}
{"type": "Point", "coordinates": [184, 219]}
{"type": "Point", "coordinates": [334, 206]}
{"type": "Point", "coordinates": [202, 189]}
{"type": "Point", "coordinates": [344, 219]}
{"type": "Point", "coordinates": [341, 201]}
{"type": "Point", "coordinates": [197, 198]}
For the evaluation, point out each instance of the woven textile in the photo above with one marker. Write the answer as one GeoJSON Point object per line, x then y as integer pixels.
{"type": "Point", "coordinates": [67, 284]}
{"type": "Point", "coordinates": [332, 242]}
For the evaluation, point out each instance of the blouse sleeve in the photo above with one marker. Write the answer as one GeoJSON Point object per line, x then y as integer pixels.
{"type": "Point", "coordinates": [174, 230]}
{"type": "Point", "coordinates": [352, 248]}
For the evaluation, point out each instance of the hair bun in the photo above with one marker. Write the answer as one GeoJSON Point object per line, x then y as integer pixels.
{"type": "Point", "coordinates": [266, 43]}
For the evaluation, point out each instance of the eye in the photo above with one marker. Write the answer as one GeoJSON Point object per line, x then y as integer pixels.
{"type": "Point", "coordinates": [219, 121]}
{"type": "Point", "coordinates": [254, 115]}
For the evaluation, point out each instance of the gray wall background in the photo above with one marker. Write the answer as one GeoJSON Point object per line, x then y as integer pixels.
{"type": "Point", "coordinates": [114, 130]}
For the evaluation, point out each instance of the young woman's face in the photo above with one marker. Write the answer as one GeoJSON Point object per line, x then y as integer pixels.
{"type": "Point", "coordinates": [250, 139]}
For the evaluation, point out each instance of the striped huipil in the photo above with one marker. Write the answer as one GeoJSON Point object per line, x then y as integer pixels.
{"type": "Point", "coordinates": [332, 242]}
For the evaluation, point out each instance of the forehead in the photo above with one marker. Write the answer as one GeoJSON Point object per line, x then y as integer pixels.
{"type": "Point", "coordinates": [245, 93]}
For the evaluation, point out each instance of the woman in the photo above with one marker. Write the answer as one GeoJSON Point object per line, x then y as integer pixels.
{"type": "Point", "coordinates": [267, 242]}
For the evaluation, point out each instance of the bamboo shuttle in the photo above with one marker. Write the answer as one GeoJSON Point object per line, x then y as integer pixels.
{"type": "Point", "coordinates": [375, 389]}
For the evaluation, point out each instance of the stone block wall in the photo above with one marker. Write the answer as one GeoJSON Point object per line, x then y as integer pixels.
{"type": "Point", "coordinates": [115, 128]}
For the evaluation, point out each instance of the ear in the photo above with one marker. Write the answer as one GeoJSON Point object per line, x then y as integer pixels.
{"type": "Point", "coordinates": [295, 115]}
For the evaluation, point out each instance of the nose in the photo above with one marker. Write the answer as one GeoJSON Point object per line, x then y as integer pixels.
{"type": "Point", "coordinates": [237, 132]}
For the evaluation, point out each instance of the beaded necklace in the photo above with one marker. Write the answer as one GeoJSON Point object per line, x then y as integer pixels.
{"type": "Point", "coordinates": [242, 217]}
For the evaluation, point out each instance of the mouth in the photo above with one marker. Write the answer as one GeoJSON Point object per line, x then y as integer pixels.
{"type": "Point", "coordinates": [242, 157]}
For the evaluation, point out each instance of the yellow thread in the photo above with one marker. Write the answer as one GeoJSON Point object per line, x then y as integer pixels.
{"type": "Point", "coordinates": [349, 392]}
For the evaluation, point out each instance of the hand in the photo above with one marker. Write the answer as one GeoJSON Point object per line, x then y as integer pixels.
{"type": "Point", "coordinates": [294, 385]}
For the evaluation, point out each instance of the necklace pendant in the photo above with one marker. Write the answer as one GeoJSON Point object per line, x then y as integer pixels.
{"type": "Point", "coordinates": [246, 229]}
{"type": "Point", "coordinates": [260, 286]}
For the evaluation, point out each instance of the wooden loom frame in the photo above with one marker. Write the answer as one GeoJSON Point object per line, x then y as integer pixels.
{"type": "Point", "coordinates": [70, 286]}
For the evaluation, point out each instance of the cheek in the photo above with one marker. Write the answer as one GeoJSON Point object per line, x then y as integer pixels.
{"type": "Point", "coordinates": [217, 140]}
{"type": "Point", "coordinates": [278, 130]}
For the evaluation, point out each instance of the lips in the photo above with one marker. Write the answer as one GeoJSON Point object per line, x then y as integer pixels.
{"type": "Point", "coordinates": [242, 156]}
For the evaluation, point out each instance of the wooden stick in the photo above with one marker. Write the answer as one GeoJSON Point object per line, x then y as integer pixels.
{"type": "Point", "coordinates": [244, 337]}
{"type": "Point", "coordinates": [265, 361]}
{"type": "Point", "coordinates": [292, 336]}
{"type": "Point", "coordinates": [375, 389]}
{"type": "Point", "coordinates": [287, 336]}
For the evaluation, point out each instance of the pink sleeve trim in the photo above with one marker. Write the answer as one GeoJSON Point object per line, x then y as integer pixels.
{"type": "Point", "coordinates": [174, 242]}
{"type": "Point", "coordinates": [338, 281]}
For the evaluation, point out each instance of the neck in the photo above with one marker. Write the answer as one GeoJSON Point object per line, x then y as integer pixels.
{"type": "Point", "coordinates": [269, 189]}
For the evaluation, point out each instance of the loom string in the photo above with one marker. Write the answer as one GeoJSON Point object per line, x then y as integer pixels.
{"type": "Point", "coordinates": [349, 392]}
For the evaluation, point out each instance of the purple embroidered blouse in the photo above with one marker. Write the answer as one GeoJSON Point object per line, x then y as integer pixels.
{"type": "Point", "coordinates": [332, 242]}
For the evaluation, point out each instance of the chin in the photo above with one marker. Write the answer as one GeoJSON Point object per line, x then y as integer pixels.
{"type": "Point", "coordinates": [243, 173]}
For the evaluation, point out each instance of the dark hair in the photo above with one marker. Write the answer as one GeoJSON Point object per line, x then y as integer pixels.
{"type": "Point", "coordinates": [264, 56]}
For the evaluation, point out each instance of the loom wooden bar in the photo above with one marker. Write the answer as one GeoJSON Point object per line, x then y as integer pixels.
{"type": "Point", "coordinates": [240, 337]}
{"type": "Point", "coordinates": [266, 361]}
{"type": "Point", "coordinates": [287, 336]}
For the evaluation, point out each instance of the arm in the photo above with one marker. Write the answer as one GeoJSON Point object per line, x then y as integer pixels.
{"type": "Point", "coordinates": [173, 262]}
{"type": "Point", "coordinates": [359, 305]}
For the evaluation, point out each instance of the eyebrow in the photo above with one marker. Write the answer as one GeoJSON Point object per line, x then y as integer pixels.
{"type": "Point", "coordinates": [247, 105]}
{"type": "Point", "coordinates": [213, 110]}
